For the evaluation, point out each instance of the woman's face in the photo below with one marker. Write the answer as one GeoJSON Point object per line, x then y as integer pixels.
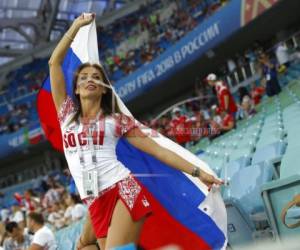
{"type": "Point", "coordinates": [89, 83]}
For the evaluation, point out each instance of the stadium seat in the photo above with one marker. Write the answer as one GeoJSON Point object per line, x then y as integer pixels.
{"type": "Point", "coordinates": [289, 164]}
{"type": "Point", "coordinates": [243, 201]}
{"type": "Point", "coordinates": [271, 153]}
{"type": "Point", "coordinates": [230, 169]}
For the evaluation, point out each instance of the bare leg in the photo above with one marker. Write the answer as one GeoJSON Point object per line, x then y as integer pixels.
{"type": "Point", "coordinates": [123, 230]}
{"type": "Point", "coordinates": [101, 243]}
{"type": "Point", "coordinates": [87, 240]}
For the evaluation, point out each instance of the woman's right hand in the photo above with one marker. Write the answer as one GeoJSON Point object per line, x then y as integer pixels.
{"type": "Point", "coordinates": [84, 19]}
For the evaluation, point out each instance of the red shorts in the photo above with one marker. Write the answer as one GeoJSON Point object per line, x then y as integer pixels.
{"type": "Point", "coordinates": [130, 192]}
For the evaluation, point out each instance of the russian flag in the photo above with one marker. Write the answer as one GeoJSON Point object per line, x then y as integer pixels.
{"type": "Point", "coordinates": [185, 213]}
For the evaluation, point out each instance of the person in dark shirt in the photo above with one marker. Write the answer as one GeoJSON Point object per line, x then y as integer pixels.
{"type": "Point", "coordinates": [269, 72]}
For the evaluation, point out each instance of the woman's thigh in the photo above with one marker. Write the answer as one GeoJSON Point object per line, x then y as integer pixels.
{"type": "Point", "coordinates": [122, 230]}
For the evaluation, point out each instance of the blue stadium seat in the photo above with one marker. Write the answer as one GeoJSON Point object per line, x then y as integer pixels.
{"type": "Point", "coordinates": [231, 168]}
{"type": "Point", "coordinates": [271, 153]}
{"type": "Point", "coordinates": [244, 203]}
{"type": "Point", "coordinates": [289, 164]}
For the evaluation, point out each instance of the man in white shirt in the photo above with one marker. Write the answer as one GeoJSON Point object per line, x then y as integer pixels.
{"type": "Point", "coordinates": [43, 238]}
{"type": "Point", "coordinates": [282, 54]}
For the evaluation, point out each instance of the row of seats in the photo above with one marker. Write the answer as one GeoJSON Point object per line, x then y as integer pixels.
{"type": "Point", "coordinates": [278, 193]}
{"type": "Point", "coordinates": [247, 157]}
{"type": "Point", "coordinates": [261, 154]}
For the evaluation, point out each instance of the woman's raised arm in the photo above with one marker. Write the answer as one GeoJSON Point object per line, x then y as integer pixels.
{"type": "Point", "coordinates": [58, 85]}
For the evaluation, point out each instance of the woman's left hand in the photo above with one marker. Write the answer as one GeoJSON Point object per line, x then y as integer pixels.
{"type": "Point", "coordinates": [209, 179]}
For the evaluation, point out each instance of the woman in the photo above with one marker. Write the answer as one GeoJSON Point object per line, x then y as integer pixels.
{"type": "Point", "coordinates": [91, 129]}
{"type": "Point", "coordinates": [75, 210]}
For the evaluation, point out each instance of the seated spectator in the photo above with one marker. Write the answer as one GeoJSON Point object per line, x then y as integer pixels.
{"type": "Point", "coordinates": [43, 238]}
{"type": "Point", "coordinates": [31, 201]}
{"type": "Point", "coordinates": [56, 216]}
{"type": "Point", "coordinates": [242, 92]}
{"type": "Point", "coordinates": [53, 194]}
{"type": "Point", "coordinates": [221, 123]}
{"type": "Point", "coordinates": [18, 239]}
{"type": "Point", "coordinates": [228, 122]}
{"type": "Point", "coordinates": [17, 215]}
{"type": "Point", "coordinates": [180, 126]}
{"type": "Point", "coordinates": [257, 93]}
{"type": "Point", "coordinates": [75, 211]}
{"type": "Point", "coordinates": [248, 107]}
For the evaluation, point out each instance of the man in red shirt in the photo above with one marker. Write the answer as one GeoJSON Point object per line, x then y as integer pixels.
{"type": "Point", "coordinates": [256, 93]}
{"type": "Point", "coordinates": [227, 122]}
{"type": "Point", "coordinates": [225, 99]}
{"type": "Point", "coordinates": [181, 127]}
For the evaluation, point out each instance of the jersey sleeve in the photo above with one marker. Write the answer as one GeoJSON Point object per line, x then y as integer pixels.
{"type": "Point", "coordinates": [124, 124]}
{"type": "Point", "coordinates": [66, 109]}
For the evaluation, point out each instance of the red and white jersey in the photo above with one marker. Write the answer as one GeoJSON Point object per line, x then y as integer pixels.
{"type": "Point", "coordinates": [90, 149]}
{"type": "Point", "coordinates": [222, 90]}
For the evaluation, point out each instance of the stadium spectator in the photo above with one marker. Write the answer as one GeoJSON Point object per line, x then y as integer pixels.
{"type": "Point", "coordinates": [282, 55]}
{"type": "Point", "coordinates": [257, 93]}
{"type": "Point", "coordinates": [231, 65]}
{"type": "Point", "coordinates": [17, 239]}
{"type": "Point", "coordinates": [246, 106]}
{"type": "Point", "coordinates": [200, 127]}
{"type": "Point", "coordinates": [71, 187]}
{"type": "Point", "coordinates": [75, 211]}
{"type": "Point", "coordinates": [56, 216]}
{"type": "Point", "coordinates": [17, 215]}
{"type": "Point", "coordinates": [181, 127]}
{"type": "Point", "coordinates": [43, 238]}
{"type": "Point", "coordinates": [228, 121]}
{"type": "Point", "coordinates": [53, 194]}
{"type": "Point", "coordinates": [31, 201]}
{"type": "Point", "coordinates": [4, 214]}
{"type": "Point", "coordinates": [269, 72]}
{"type": "Point", "coordinates": [225, 99]}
